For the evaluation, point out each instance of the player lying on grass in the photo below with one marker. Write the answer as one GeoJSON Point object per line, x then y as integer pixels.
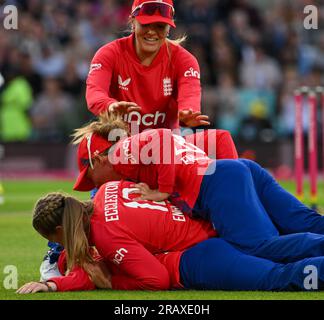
{"type": "Point", "coordinates": [146, 245]}
{"type": "Point", "coordinates": [217, 143]}
{"type": "Point", "coordinates": [247, 207]}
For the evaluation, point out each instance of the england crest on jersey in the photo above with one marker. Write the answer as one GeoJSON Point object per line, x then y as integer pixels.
{"type": "Point", "coordinates": [167, 87]}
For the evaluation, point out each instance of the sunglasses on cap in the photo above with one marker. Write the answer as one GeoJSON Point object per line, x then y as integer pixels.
{"type": "Point", "coordinates": [89, 161]}
{"type": "Point", "coordinates": [149, 9]}
{"type": "Point", "coordinates": [89, 149]}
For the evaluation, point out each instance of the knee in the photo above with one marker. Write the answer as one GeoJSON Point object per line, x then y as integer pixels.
{"type": "Point", "coordinates": [256, 170]}
{"type": "Point", "coordinates": [235, 168]}
{"type": "Point", "coordinates": [252, 165]}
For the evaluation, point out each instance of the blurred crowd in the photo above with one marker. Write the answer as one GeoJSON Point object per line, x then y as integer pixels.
{"type": "Point", "coordinates": [253, 54]}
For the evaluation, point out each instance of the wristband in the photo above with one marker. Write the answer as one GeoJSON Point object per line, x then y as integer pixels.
{"type": "Point", "coordinates": [50, 289]}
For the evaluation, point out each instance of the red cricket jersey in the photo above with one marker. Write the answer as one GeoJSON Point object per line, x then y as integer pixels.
{"type": "Point", "coordinates": [128, 233]}
{"type": "Point", "coordinates": [78, 279]}
{"type": "Point", "coordinates": [165, 162]}
{"type": "Point", "coordinates": [171, 83]}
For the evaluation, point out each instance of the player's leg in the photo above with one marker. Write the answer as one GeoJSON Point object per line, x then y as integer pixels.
{"type": "Point", "coordinates": [290, 248]}
{"type": "Point", "coordinates": [232, 204]}
{"type": "Point", "coordinates": [216, 265]}
{"type": "Point", "coordinates": [287, 212]}
{"type": "Point", "coordinates": [228, 198]}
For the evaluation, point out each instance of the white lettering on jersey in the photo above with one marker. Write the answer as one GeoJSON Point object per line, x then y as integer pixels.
{"type": "Point", "coordinates": [95, 66]}
{"type": "Point", "coordinates": [148, 119]}
{"type": "Point", "coordinates": [111, 201]}
{"type": "Point", "coordinates": [177, 214]}
{"type": "Point", "coordinates": [127, 191]}
{"type": "Point", "coordinates": [123, 84]}
{"type": "Point", "coordinates": [145, 205]}
{"type": "Point", "coordinates": [167, 87]}
{"type": "Point", "coordinates": [154, 205]}
{"type": "Point", "coordinates": [119, 256]}
{"type": "Point", "coordinates": [191, 73]}
{"type": "Point", "coordinates": [127, 151]}
{"type": "Point", "coordinates": [189, 152]}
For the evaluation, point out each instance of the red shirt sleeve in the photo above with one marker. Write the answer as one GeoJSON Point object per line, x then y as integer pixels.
{"type": "Point", "coordinates": [218, 144]}
{"type": "Point", "coordinates": [162, 140]}
{"type": "Point", "coordinates": [99, 79]}
{"type": "Point", "coordinates": [188, 77]}
{"type": "Point", "coordinates": [225, 146]}
{"type": "Point", "coordinates": [76, 280]}
{"type": "Point", "coordinates": [139, 269]}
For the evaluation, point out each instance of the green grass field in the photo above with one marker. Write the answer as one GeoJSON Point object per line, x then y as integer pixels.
{"type": "Point", "coordinates": [22, 247]}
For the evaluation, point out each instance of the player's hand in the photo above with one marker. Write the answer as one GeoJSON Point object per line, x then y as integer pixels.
{"type": "Point", "coordinates": [33, 287]}
{"type": "Point", "coordinates": [123, 107]}
{"type": "Point", "coordinates": [193, 119]}
{"type": "Point", "coordinates": [149, 194]}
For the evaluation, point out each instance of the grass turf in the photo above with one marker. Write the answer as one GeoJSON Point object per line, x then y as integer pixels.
{"type": "Point", "coordinates": [22, 247]}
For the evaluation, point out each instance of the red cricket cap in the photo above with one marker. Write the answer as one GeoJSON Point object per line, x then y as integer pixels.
{"type": "Point", "coordinates": [90, 145]}
{"type": "Point", "coordinates": [143, 18]}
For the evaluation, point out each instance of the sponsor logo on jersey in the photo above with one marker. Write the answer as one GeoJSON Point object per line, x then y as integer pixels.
{"type": "Point", "coordinates": [167, 87]}
{"type": "Point", "coordinates": [95, 66]}
{"type": "Point", "coordinates": [191, 73]}
{"type": "Point", "coordinates": [148, 119]}
{"type": "Point", "coordinates": [119, 256]}
{"type": "Point", "coordinates": [123, 84]}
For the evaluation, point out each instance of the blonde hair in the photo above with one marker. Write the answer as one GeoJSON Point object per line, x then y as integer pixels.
{"type": "Point", "coordinates": [106, 123]}
{"type": "Point", "coordinates": [58, 209]}
{"type": "Point", "coordinates": [178, 41]}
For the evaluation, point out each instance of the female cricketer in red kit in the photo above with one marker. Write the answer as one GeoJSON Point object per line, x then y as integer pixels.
{"type": "Point", "coordinates": [247, 207]}
{"type": "Point", "coordinates": [152, 80]}
{"type": "Point", "coordinates": [146, 245]}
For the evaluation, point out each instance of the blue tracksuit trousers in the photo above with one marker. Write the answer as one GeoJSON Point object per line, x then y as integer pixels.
{"type": "Point", "coordinates": [249, 209]}
{"type": "Point", "coordinates": [216, 265]}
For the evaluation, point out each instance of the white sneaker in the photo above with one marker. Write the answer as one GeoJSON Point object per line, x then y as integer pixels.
{"type": "Point", "coordinates": [48, 270]}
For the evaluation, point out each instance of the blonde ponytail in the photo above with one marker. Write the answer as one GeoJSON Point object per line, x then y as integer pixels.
{"type": "Point", "coordinates": [107, 122]}
{"type": "Point", "coordinates": [76, 227]}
